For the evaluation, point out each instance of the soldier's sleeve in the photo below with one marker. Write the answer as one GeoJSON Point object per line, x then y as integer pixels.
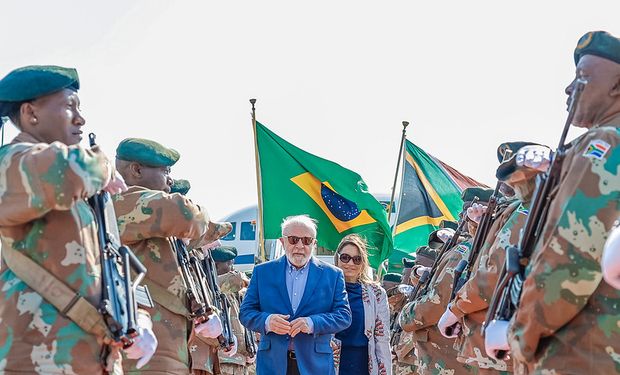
{"type": "Point", "coordinates": [426, 310]}
{"type": "Point", "coordinates": [565, 268]}
{"type": "Point", "coordinates": [149, 213]}
{"type": "Point", "coordinates": [474, 294]}
{"type": "Point", "coordinates": [35, 179]}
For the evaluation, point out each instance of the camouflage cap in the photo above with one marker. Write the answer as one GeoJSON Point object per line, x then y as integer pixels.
{"type": "Point", "coordinates": [598, 43]}
{"type": "Point", "coordinates": [147, 152]}
{"type": "Point", "coordinates": [392, 277]}
{"type": "Point", "coordinates": [180, 186]}
{"type": "Point", "coordinates": [224, 253]}
{"type": "Point", "coordinates": [483, 194]}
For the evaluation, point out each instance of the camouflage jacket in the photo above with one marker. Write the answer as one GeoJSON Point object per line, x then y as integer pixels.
{"type": "Point", "coordinates": [232, 284]}
{"type": "Point", "coordinates": [147, 221]}
{"type": "Point", "coordinates": [568, 316]}
{"type": "Point", "coordinates": [471, 303]}
{"type": "Point", "coordinates": [43, 214]}
{"type": "Point", "coordinates": [435, 353]}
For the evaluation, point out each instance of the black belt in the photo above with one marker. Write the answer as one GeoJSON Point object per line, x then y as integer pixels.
{"type": "Point", "coordinates": [291, 355]}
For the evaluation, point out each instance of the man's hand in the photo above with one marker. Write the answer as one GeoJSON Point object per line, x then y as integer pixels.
{"type": "Point", "coordinates": [535, 157]}
{"type": "Point", "coordinates": [279, 324]}
{"type": "Point", "coordinates": [448, 324]}
{"type": "Point", "coordinates": [496, 338]}
{"type": "Point", "coordinates": [299, 325]}
{"type": "Point", "coordinates": [233, 349]}
{"type": "Point", "coordinates": [116, 185]}
{"type": "Point", "coordinates": [145, 344]}
{"type": "Point", "coordinates": [475, 212]}
{"type": "Point", "coordinates": [445, 234]}
{"type": "Point", "coordinates": [210, 329]}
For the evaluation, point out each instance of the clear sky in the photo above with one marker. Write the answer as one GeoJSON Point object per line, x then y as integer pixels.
{"type": "Point", "coordinates": [335, 78]}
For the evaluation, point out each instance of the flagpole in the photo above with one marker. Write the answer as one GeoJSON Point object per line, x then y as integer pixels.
{"type": "Point", "coordinates": [400, 155]}
{"type": "Point", "coordinates": [259, 190]}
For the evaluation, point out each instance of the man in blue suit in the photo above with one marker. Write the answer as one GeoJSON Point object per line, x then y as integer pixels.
{"type": "Point", "coordinates": [296, 302]}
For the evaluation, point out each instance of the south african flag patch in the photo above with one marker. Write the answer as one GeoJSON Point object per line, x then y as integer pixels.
{"type": "Point", "coordinates": [596, 149]}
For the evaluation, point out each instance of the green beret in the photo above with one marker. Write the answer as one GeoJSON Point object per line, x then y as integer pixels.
{"type": "Point", "coordinates": [147, 152]}
{"type": "Point", "coordinates": [433, 240]}
{"type": "Point", "coordinates": [35, 81]}
{"type": "Point", "coordinates": [425, 256]}
{"type": "Point", "coordinates": [224, 253]}
{"type": "Point", "coordinates": [598, 43]}
{"type": "Point", "coordinates": [483, 194]}
{"type": "Point", "coordinates": [513, 147]}
{"type": "Point", "coordinates": [180, 186]}
{"type": "Point", "coordinates": [408, 263]}
{"type": "Point", "coordinates": [449, 224]}
{"type": "Point", "coordinates": [393, 277]}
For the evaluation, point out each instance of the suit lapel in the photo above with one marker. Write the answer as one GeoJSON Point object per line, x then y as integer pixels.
{"type": "Point", "coordinates": [284, 291]}
{"type": "Point", "coordinates": [314, 275]}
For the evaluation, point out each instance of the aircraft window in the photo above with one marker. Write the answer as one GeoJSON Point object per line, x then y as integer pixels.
{"type": "Point", "coordinates": [233, 233]}
{"type": "Point", "coordinates": [248, 231]}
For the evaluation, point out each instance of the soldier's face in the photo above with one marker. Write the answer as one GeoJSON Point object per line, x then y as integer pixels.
{"type": "Point", "coordinates": [297, 253]}
{"type": "Point", "coordinates": [56, 117]}
{"type": "Point", "coordinates": [597, 101]}
{"type": "Point", "coordinates": [155, 178]}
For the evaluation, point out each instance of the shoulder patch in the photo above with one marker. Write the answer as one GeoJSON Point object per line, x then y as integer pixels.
{"type": "Point", "coordinates": [596, 149]}
{"type": "Point", "coordinates": [461, 249]}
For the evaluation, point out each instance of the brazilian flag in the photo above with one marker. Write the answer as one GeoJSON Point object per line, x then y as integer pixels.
{"type": "Point", "coordinates": [430, 192]}
{"type": "Point", "coordinates": [295, 182]}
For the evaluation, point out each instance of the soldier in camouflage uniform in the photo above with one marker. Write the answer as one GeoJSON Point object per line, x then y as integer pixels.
{"type": "Point", "coordinates": [568, 317]}
{"type": "Point", "coordinates": [44, 177]}
{"type": "Point", "coordinates": [471, 302]}
{"type": "Point", "coordinates": [403, 362]}
{"type": "Point", "coordinates": [234, 285]}
{"type": "Point", "coordinates": [149, 219]}
{"type": "Point", "coordinates": [435, 353]}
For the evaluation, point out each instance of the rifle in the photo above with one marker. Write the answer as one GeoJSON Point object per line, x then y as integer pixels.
{"type": "Point", "coordinates": [118, 303]}
{"type": "Point", "coordinates": [463, 270]}
{"type": "Point", "coordinates": [444, 248]}
{"type": "Point", "coordinates": [248, 336]}
{"type": "Point", "coordinates": [507, 292]}
{"type": "Point", "coordinates": [220, 301]}
{"type": "Point", "coordinates": [199, 291]}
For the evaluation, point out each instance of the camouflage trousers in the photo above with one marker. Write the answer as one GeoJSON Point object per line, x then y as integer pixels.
{"type": "Point", "coordinates": [403, 369]}
{"type": "Point", "coordinates": [232, 369]}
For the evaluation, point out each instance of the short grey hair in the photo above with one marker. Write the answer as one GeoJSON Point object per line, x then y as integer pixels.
{"type": "Point", "coordinates": [303, 220]}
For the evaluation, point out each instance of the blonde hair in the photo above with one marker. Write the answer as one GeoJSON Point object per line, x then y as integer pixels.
{"type": "Point", "coordinates": [362, 246]}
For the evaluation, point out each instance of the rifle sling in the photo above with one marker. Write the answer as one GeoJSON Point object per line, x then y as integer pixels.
{"type": "Point", "coordinates": [165, 298]}
{"type": "Point", "coordinates": [68, 302]}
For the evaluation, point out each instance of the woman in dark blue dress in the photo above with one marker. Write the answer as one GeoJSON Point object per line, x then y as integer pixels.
{"type": "Point", "coordinates": [365, 345]}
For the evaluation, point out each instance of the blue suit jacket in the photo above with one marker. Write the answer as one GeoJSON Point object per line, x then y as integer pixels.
{"type": "Point", "coordinates": [324, 301]}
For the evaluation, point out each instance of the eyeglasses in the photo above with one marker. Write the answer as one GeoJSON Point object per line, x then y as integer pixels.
{"type": "Point", "coordinates": [345, 258]}
{"type": "Point", "coordinates": [293, 240]}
